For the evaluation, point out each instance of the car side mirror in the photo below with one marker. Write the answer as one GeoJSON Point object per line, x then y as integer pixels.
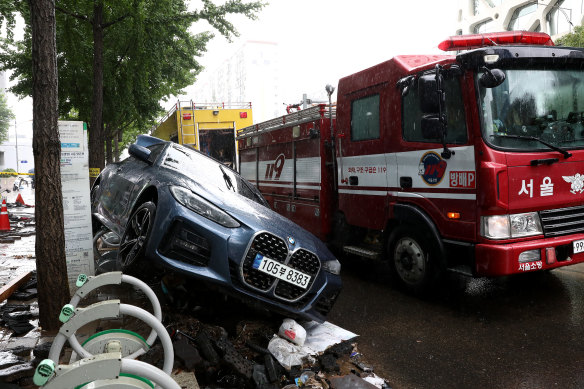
{"type": "Point", "coordinates": [140, 152]}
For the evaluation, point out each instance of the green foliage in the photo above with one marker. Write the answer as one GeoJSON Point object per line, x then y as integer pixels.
{"type": "Point", "coordinates": [6, 117]}
{"type": "Point", "coordinates": [573, 39]}
{"type": "Point", "coordinates": [8, 172]}
{"type": "Point", "coordinates": [148, 54]}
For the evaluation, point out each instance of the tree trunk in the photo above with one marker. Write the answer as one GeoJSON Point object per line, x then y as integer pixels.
{"type": "Point", "coordinates": [108, 148]}
{"type": "Point", "coordinates": [117, 140]}
{"type": "Point", "coordinates": [53, 285]}
{"type": "Point", "coordinates": [96, 138]}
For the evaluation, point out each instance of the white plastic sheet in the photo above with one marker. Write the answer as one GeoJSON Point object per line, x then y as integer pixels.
{"type": "Point", "coordinates": [319, 337]}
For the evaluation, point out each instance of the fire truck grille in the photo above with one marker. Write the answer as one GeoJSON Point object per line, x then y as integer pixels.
{"type": "Point", "coordinates": [270, 246]}
{"type": "Point", "coordinates": [562, 221]}
{"type": "Point", "coordinates": [305, 262]}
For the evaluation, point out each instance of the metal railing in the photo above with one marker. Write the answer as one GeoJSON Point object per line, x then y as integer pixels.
{"type": "Point", "coordinates": [320, 111]}
{"type": "Point", "coordinates": [190, 105]}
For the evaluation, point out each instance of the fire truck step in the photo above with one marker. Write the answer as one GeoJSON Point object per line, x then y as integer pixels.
{"type": "Point", "coordinates": [362, 252]}
{"type": "Point", "coordinates": [464, 270]}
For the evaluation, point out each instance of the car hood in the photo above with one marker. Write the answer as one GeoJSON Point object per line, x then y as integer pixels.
{"type": "Point", "coordinates": [261, 217]}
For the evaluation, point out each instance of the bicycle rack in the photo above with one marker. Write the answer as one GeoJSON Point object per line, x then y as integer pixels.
{"type": "Point", "coordinates": [108, 370]}
{"type": "Point", "coordinates": [107, 357]}
{"type": "Point", "coordinates": [96, 343]}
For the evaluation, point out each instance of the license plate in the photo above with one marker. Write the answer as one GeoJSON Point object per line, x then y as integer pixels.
{"type": "Point", "coordinates": [283, 272]}
{"type": "Point", "coordinates": [578, 246]}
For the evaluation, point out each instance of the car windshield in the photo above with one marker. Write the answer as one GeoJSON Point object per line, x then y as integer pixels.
{"type": "Point", "coordinates": [532, 106]}
{"type": "Point", "coordinates": [208, 171]}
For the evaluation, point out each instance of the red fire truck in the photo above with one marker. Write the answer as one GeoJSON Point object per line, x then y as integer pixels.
{"type": "Point", "coordinates": [472, 163]}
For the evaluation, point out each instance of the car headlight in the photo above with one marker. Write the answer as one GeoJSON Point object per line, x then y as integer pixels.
{"type": "Point", "coordinates": [333, 266]}
{"type": "Point", "coordinates": [511, 226]}
{"type": "Point", "coordinates": [201, 206]}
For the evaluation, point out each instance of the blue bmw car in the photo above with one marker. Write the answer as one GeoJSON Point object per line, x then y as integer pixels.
{"type": "Point", "coordinates": [175, 208]}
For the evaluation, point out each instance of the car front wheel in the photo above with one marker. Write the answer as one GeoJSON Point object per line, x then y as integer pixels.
{"type": "Point", "coordinates": [135, 238]}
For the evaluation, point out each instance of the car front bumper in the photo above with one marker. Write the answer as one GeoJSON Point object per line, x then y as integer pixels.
{"type": "Point", "coordinates": [187, 243]}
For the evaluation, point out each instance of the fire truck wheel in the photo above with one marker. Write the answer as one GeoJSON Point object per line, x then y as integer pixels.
{"type": "Point", "coordinates": [412, 258]}
{"type": "Point", "coordinates": [135, 238]}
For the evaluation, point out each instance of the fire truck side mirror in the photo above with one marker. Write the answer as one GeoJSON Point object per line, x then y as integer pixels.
{"type": "Point", "coordinates": [431, 96]}
{"type": "Point", "coordinates": [491, 78]}
{"type": "Point", "coordinates": [431, 127]}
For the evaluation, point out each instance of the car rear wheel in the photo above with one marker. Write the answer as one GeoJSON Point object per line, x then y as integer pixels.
{"type": "Point", "coordinates": [413, 259]}
{"type": "Point", "coordinates": [135, 238]}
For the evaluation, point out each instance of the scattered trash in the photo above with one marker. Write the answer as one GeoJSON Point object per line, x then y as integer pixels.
{"type": "Point", "coordinates": [292, 331]}
{"type": "Point", "coordinates": [24, 295]}
{"type": "Point", "coordinates": [351, 381]}
{"type": "Point", "coordinates": [288, 354]}
{"type": "Point", "coordinates": [8, 289]}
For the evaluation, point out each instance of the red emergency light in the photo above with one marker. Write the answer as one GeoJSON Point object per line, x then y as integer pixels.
{"type": "Point", "coordinates": [243, 115]}
{"type": "Point", "coordinates": [187, 116]}
{"type": "Point", "coordinates": [467, 42]}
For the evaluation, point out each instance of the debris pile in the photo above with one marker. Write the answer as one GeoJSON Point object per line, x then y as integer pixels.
{"type": "Point", "coordinates": [253, 356]}
{"type": "Point", "coordinates": [14, 226]}
{"type": "Point", "coordinates": [19, 316]}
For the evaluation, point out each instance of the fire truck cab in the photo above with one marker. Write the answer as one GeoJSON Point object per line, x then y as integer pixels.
{"type": "Point", "coordinates": [471, 163]}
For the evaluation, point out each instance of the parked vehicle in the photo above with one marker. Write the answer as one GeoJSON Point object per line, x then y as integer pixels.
{"type": "Point", "coordinates": [178, 209]}
{"type": "Point", "coordinates": [208, 127]}
{"type": "Point", "coordinates": [471, 163]}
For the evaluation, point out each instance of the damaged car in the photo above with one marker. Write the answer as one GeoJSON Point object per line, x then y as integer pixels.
{"type": "Point", "coordinates": [177, 209]}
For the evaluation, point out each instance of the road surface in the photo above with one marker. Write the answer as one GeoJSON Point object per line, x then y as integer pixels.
{"type": "Point", "coordinates": [516, 332]}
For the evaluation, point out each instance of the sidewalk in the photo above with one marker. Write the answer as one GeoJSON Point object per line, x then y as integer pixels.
{"type": "Point", "coordinates": [19, 257]}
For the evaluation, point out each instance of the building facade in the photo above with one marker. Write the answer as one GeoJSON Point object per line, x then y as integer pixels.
{"type": "Point", "coordinates": [554, 17]}
{"type": "Point", "coordinates": [16, 152]}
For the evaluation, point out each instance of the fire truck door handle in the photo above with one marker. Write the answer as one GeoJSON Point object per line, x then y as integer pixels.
{"type": "Point", "coordinates": [405, 182]}
{"type": "Point", "coordinates": [353, 180]}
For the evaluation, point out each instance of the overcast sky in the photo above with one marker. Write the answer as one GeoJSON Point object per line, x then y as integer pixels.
{"type": "Point", "coordinates": [323, 40]}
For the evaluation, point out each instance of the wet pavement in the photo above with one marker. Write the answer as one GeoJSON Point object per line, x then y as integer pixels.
{"type": "Point", "coordinates": [514, 332]}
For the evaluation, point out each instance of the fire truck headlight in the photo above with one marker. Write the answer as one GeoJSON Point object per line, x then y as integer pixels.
{"type": "Point", "coordinates": [525, 224]}
{"type": "Point", "coordinates": [202, 207]}
{"type": "Point", "coordinates": [332, 266]}
{"type": "Point", "coordinates": [495, 227]}
{"type": "Point", "coordinates": [510, 226]}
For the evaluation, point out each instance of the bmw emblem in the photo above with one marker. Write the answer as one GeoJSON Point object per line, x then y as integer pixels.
{"type": "Point", "coordinates": [291, 241]}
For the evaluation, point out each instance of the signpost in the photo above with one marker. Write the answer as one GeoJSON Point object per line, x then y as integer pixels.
{"type": "Point", "coordinates": [76, 199]}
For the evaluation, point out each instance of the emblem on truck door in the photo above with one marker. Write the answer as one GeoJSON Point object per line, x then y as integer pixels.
{"type": "Point", "coordinates": [577, 182]}
{"type": "Point", "coordinates": [432, 168]}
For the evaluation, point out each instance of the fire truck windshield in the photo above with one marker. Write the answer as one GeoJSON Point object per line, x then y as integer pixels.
{"type": "Point", "coordinates": [533, 109]}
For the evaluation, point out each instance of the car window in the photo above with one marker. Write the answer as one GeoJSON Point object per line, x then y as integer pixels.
{"type": "Point", "coordinates": [208, 171]}
{"type": "Point", "coordinates": [155, 151]}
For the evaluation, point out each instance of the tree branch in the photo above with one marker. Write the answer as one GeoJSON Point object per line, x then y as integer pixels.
{"type": "Point", "coordinates": [108, 24]}
{"type": "Point", "coordinates": [75, 15]}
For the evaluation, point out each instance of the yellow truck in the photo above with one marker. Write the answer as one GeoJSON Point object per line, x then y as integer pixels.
{"type": "Point", "coordinates": [209, 127]}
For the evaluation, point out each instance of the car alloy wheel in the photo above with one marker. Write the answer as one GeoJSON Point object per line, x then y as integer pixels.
{"type": "Point", "coordinates": [136, 236]}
